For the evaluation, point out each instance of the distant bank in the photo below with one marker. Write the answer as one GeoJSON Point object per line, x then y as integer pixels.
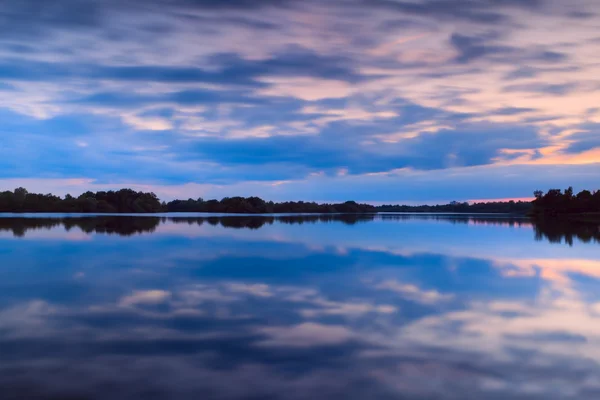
{"type": "Point", "coordinates": [553, 203]}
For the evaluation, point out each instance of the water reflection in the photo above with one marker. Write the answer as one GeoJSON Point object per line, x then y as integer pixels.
{"type": "Point", "coordinates": [566, 231]}
{"type": "Point", "coordinates": [373, 307]}
{"type": "Point", "coordinates": [552, 230]}
{"type": "Point", "coordinates": [256, 222]}
{"type": "Point", "coordinates": [123, 226]}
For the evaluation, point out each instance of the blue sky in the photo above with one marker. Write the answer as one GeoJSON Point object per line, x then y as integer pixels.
{"type": "Point", "coordinates": [379, 101]}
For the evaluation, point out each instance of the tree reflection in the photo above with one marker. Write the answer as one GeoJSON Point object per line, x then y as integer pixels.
{"type": "Point", "coordinates": [490, 219]}
{"type": "Point", "coordinates": [555, 231]}
{"type": "Point", "coordinates": [563, 231]}
{"type": "Point", "coordinates": [122, 225]}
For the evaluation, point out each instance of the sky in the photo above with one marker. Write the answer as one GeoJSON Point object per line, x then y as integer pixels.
{"type": "Point", "coordinates": [371, 100]}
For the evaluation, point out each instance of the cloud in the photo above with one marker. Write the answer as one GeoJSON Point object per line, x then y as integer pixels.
{"type": "Point", "coordinates": [215, 93]}
{"type": "Point", "coordinates": [552, 89]}
{"type": "Point", "coordinates": [225, 69]}
{"type": "Point", "coordinates": [305, 335]}
{"type": "Point", "coordinates": [30, 17]}
{"type": "Point", "coordinates": [472, 48]}
{"type": "Point", "coordinates": [513, 110]}
{"type": "Point", "coordinates": [480, 11]}
{"type": "Point", "coordinates": [414, 293]}
{"type": "Point", "coordinates": [328, 152]}
{"type": "Point", "coordinates": [584, 141]}
{"type": "Point", "coordinates": [259, 290]}
{"type": "Point", "coordinates": [145, 297]}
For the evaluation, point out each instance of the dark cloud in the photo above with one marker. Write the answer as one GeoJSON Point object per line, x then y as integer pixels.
{"type": "Point", "coordinates": [560, 337]}
{"type": "Point", "coordinates": [512, 111]}
{"type": "Point", "coordinates": [584, 141]}
{"type": "Point", "coordinates": [532, 72]}
{"type": "Point", "coordinates": [296, 61]}
{"type": "Point", "coordinates": [30, 71]}
{"type": "Point", "coordinates": [543, 88]}
{"type": "Point", "coordinates": [480, 11]}
{"type": "Point", "coordinates": [89, 13]}
{"type": "Point", "coordinates": [458, 148]}
{"type": "Point", "coordinates": [443, 9]}
{"type": "Point", "coordinates": [472, 48]}
{"type": "Point", "coordinates": [206, 96]}
{"type": "Point", "coordinates": [400, 23]}
{"type": "Point", "coordinates": [245, 22]}
{"type": "Point", "coordinates": [522, 72]}
{"type": "Point", "coordinates": [20, 48]}
{"type": "Point", "coordinates": [339, 147]}
{"type": "Point", "coordinates": [53, 148]}
{"type": "Point", "coordinates": [37, 17]}
{"type": "Point", "coordinates": [551, 56]}
{"type": "Point", "coordinates": [233, 4]}
{"type": "Point", "coordinates": [38, 71]}
{"type": "Point", "coordinates": [171, 75]}
{"type": "Point", "coordinates": [31, 18]}
{"type": "Point", "coordinates": [56, 127]}
{"type": "Point", "coordinates": [226, 69]}
{"type": "Point", "coordinates": [581, 14]}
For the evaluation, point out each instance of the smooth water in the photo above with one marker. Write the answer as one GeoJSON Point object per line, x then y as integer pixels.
{"type": "Point", "coordinates": [319, 307]}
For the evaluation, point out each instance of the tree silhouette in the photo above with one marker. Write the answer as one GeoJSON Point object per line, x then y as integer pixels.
{"type": "Point", "coordinates": [556, 203]}
{"type": "Point", "coordinates": [122, 201]}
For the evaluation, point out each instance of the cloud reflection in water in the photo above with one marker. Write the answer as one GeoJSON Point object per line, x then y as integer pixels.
{"type": "Point", "coordinates": [381, 307]}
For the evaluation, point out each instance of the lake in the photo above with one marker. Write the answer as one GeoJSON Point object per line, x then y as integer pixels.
{"type": "Point", "coordinates": [390, 306]}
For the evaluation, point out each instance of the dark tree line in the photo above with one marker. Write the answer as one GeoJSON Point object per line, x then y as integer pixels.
{"type": "Point", "coordinates": [556, 202]}
{"type": "Point", "coordinates": [130, 201]}
{"type": "Point", "coordinates": [121, 201]}
{"type": "Point", "coordinates": [256, 205]}
{"type": "Point", "coordinates": [505, 207]}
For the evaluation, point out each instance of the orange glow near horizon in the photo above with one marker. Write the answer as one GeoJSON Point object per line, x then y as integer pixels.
{"type": "Point", "coordinates": [506, 199]}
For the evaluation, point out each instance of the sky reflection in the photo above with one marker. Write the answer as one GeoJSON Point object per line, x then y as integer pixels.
{"type": "Point", "coordinates": [387, 308]}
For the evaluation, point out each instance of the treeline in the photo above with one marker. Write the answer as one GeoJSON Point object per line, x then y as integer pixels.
{"type": "Point", "coordinates": [256, 205]}
{"type": "Point", "coordinates": [505, 207]}
{"type": "Point", "coordinates": [121, 201]}
{"type": "Point", "coordinates": [130, 201]}
{"type": "Point", "coordinates": [556, 202]}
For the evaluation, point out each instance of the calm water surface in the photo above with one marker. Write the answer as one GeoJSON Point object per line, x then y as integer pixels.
{"type": "Point", "coordinates": [369, 307]}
